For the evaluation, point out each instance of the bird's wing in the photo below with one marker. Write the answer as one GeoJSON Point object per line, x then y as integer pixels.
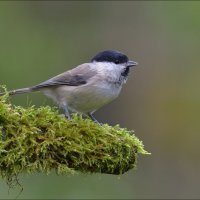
{"type": "Point", "coordinates": [75, 77]}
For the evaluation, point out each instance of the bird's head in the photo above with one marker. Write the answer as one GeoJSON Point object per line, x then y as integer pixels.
{"type": "Point", "coordinates": [117, 58]}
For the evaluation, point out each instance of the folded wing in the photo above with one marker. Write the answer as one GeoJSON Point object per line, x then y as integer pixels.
{"type": "Point", "coordinates": [75, 77]}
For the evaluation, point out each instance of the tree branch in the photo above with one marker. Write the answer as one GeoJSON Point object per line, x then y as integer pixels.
{"type": "Point", "coordinates": [40, 139]}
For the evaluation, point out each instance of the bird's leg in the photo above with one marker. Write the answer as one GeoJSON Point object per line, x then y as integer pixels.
{"type": "Point", "coordinates": [66, 111]}
{"type": "Point", "coordinates": [93, 118]}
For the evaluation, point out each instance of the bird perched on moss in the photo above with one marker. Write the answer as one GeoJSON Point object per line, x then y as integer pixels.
{"type": "Point", "coordinates": [89, 86]}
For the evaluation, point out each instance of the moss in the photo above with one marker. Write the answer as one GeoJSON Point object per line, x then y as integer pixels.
{"type": "Point", "coordinates": [41, 140]}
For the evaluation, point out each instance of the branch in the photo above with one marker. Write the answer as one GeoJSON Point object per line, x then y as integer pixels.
{"type": "Point", "coordinates": [40, 139]}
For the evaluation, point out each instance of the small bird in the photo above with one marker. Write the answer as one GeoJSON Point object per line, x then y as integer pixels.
{"type": "Point", "coordinates": [87, 87]}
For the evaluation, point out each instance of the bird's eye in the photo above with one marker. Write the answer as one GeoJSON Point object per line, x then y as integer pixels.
{"type": "Point", "coordinates": [116, 61]}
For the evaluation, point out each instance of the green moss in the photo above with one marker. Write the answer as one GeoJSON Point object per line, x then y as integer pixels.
{"type": "Point", "coordinates": [41, 140]}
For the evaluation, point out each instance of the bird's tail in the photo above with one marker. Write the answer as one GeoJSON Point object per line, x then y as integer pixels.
{"type": "Point", "coordinates": [18, 91]}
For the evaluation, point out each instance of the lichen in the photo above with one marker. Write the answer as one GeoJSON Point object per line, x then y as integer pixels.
{"type": "Point", "coordinates": [41, 140]}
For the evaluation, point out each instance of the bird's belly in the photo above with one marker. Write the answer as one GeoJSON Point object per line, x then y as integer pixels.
{"type": "Point", "coordinates": [86, 98]}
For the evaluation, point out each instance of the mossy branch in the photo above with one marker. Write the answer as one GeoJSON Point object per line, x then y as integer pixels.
{"type": "Point", "coordinates": [40, 139]}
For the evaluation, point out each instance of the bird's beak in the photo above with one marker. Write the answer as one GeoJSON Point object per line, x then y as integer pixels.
{"type": "Point", "coordinates": [131, 63]}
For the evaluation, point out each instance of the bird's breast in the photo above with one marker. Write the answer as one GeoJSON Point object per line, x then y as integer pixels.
{"type": "Point", "coordinates": [89, 97]}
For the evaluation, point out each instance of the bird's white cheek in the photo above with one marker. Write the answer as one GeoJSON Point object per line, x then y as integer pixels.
{"type": "Point", "coordinates": [110, 71]}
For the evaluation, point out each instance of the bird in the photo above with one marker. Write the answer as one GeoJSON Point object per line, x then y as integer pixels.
{"type": "Point", "coordinates": [87, 87]}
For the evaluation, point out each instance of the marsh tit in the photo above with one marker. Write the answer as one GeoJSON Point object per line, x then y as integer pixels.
{"type": "Point", "coordinates": [87, 87]}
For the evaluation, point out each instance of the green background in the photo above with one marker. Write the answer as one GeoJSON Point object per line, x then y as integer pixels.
{"type": "Point", "coordinates": [161, 100]}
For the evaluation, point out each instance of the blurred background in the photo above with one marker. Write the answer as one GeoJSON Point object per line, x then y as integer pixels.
{"type": "Point", "coordinates": [161, 100]}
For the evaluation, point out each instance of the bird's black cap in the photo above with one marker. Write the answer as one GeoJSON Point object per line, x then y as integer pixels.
{"type": "Point", "coordinates": [110, 56]}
